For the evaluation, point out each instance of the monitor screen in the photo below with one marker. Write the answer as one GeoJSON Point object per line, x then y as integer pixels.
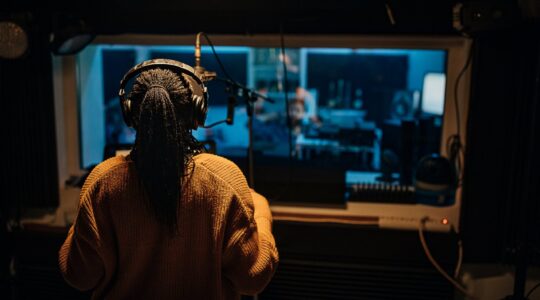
{"type": "Point", "coordinates": [433, 93]}
{"type": "Point", "coordinates": [349, 109]}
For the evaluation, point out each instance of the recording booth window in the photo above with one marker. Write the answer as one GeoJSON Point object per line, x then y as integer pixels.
{"type": "Point", "coordinates": [359, 115]}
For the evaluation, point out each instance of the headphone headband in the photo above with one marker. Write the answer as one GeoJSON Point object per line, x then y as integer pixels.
{"type": "Point", "coordinates": [170, 64]}
{"type": "Point", "coordinates": [196, 85]}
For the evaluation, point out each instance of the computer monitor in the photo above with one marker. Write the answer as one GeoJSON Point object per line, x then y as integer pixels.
{"type": "Point", "coordinates": [433, 93]}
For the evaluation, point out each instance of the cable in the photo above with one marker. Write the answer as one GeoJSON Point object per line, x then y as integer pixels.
{"type": "Point", "coordinates": [456, 87]}
{"type": "Point", "coordinates": [221, 66]}
{"type": "Point", "coordinates": [234, 83]}
{"type": "Point", "coordinates": [214, 124]}
{"type": "Point", "coordinates": [532, 290]}
{"type": "Point", "coordinates": [454, 146]}
{"type": "Point", "coordinates": [229, 80]}
{"type": "Point", "coordinates": [453, 281]}
{"type": "Point", "coordinates": [457, 270]}
{"type": "Point", "coordinates": [390, 13]}
{"type": "Point", "coordinates": [454, 150]}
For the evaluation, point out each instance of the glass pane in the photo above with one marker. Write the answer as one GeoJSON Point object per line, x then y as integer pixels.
{"type": "Point", "coordinates": [371, 112]}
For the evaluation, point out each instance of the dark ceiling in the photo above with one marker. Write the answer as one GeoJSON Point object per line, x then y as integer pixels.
{"type": "Point", "coordinates": [242, 16]}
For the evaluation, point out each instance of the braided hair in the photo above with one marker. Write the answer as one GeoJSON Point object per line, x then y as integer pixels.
{"type": "Point", "coordinates": [164, 145]}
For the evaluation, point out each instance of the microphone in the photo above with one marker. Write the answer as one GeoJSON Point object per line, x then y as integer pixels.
{"type": "Point", "coordinates": [198, 50]}
{"type": "Point", "coordinates": [231, 103]}
{"type": "Point", "coordinates": [199, 70]}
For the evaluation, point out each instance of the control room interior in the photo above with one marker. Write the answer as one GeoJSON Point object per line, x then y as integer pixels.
{"type": "Point", "coordinates": [396, 142]}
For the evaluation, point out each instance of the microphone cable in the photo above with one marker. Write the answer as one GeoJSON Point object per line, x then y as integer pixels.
{"type": "Point", "coordinates": [251, 175]}
{"type": "Point", "coordinates": [214, 124]}
{"type": "Point", "coordinates": [221, 66]}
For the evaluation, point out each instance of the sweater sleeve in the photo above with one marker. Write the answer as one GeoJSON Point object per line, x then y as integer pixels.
{"type": "Point", "coordinates": [250, 257]}
{"type": "Point", "coordinates": [86, 255]}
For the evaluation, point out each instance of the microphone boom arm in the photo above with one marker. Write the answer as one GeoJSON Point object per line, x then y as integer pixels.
{"type": "Point", "coordinates": [252, 95]}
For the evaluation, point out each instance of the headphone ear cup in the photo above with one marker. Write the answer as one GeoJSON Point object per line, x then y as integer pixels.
{"type": "Point", "coordinates": [199, 110]}
{"type": "Point", "coordinates": [199, 100]}
{"type": "Point", "coordinates": [126, 112]}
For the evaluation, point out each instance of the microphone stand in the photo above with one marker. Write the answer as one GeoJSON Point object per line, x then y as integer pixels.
{"type": "Point", "coordinates": [236, 88]}
{"type": "Point", "coordinates": [246, 92]}
{"type": "Point", "coordinates": [250, 98]}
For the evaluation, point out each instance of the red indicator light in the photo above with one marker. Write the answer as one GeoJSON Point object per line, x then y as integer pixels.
{"type": "Point", "coordinates": [444, 221]}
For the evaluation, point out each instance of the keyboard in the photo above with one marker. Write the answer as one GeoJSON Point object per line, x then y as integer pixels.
{"type": "Point", "coordinates": [382, 193]}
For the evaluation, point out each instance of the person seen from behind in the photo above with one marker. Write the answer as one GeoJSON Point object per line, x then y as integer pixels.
{"type": "Point", "coordinates": [168, 221]}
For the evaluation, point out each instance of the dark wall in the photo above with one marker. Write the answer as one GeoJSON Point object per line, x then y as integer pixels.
{"type": "Point", "coordinates": [501, 212]}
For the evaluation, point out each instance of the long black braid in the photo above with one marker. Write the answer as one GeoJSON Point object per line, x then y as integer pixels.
{"type": "Point", "coordinates": [164, 144]}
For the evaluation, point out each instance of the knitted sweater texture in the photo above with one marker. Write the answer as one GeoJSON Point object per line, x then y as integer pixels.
{"type": "Point", "coordinates": [224, 246]}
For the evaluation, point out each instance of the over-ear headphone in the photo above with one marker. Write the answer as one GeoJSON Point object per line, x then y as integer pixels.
{"type": "Point", "coordinates": [199, 98]}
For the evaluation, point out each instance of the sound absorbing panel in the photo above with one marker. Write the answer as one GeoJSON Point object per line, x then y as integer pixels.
{"type": "Point", "coordinates": [29, 170]}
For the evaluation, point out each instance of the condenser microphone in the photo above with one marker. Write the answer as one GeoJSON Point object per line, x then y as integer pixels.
{"type": "Point", "coordinates": [231, 103]}
{"type": "Point", "coordinates": [199, 70]}
{"type": "Point", "coordinates": [198, 51]}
